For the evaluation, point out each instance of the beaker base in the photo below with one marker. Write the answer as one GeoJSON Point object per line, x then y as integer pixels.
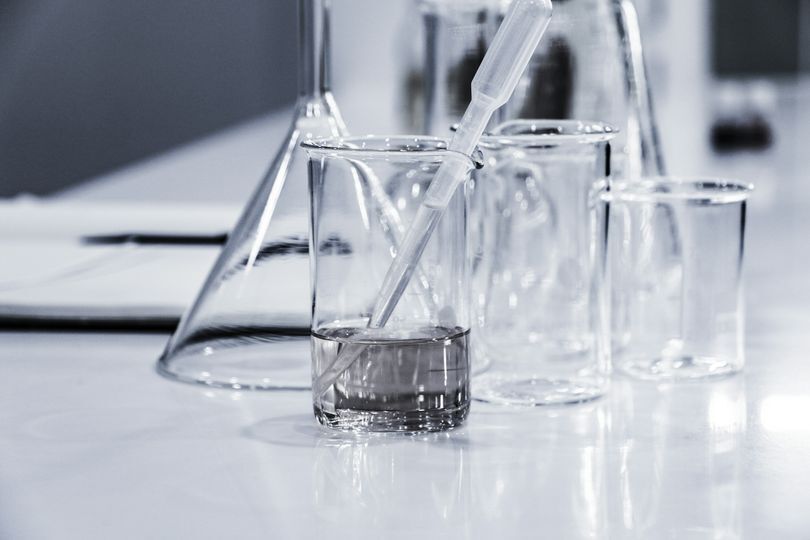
{"type": "Point", "coordinates": [528, 391]}
{"type": "Point", "coordinates": [392, 421]}
{"type": "Point", "coordinates": [677, 368]}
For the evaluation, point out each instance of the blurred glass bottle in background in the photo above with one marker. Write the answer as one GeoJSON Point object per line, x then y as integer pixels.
{"type": "Point", "coordinates": [590, 67]}
{"type": "Point", "coordinates": [457, 34]}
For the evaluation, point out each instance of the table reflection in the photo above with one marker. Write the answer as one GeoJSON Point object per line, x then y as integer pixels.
{"type": "Point", "coordinates": [675, 459]}
{"type": "Point", "coordinates": [393, 483]}
{"type": "Point", "coordinates": [646, 461]}
{"type": "Point", "coordinates": [541, 470]}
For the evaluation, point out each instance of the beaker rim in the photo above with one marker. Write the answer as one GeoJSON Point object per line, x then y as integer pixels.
{"type": "Point", "coordinates": [700, 190]}
{"type": "Point", "coordinates": [389, 146]}
{"type": "Point", "coordinates": [544, 132]}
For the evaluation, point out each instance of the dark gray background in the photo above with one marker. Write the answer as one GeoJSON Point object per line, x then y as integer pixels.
{"type": "Point", "coordinates": [89, 85]}
{"type": "Point", "coordinates": [756, 37]}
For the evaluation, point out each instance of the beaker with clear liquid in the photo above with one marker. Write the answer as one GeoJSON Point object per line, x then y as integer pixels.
{"type": "Point", "coordinates": [413, 374]}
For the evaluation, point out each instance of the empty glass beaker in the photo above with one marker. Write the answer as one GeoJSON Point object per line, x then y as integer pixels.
{"type": "Point", "coordinates": [413, 373]}
{"type": "Point", "coordinates": [675, 254]}
{"type": "Point", "coordinates": [539, 301]}
{"type": "Point", "coordinates": [249, 326]}
{"type": "Point", "coordinates": [589, 65]}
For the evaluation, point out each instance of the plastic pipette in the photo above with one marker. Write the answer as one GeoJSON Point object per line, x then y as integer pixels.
{"type": "Point", "coordinates": [494, 82]}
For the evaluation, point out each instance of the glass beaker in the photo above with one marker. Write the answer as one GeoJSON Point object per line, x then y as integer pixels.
{"type": "Point", "coordinates": [413, 373]}
{"type": "Point", "coordinates": [249, 326]}
{"type": "Point", "coordinates": [590, 65]}
{"type": "Point", "coordinates": [675, 255]}
{"type": "Point", "coordinates": [539, 301]}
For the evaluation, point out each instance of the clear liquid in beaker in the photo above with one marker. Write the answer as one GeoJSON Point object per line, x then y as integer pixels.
{"type": "Point", "coordinates": [416, 380]}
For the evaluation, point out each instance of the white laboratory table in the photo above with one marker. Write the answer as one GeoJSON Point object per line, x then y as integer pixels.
{"type": "Point", "coordinates": [95, 445]}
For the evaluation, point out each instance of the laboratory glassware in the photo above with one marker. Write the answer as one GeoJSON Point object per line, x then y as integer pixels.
{"type": "Point", "coordinates": [675, 254]}
{"type": "Point", "coordinates": [249, 326]}
{"type": "Point", "coordinates": [493, 84]}
{"type": "Point", "coordinates": [413, 373]}
{"type": "Point", "coordinates": [539, 299]}
{"type": "Point", "coordinates": [590, 65]}
{"type": "Point", "coordinates": [457, 34]}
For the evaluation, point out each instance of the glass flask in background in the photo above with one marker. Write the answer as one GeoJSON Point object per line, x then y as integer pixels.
{"type": "Point", "coordinates": [589, 66]}
{"type": "Point", "coordinates": [249, 326]}
{"type": "Point", "coordinates": [457, 34]}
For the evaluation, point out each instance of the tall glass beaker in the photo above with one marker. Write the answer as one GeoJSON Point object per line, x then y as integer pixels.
{"type": "Point", "coordinates": [539, 297]}
{"type": "Point", "coordinates": [413, 373]}
{"type": "Point", "coordinates": [249, 326]}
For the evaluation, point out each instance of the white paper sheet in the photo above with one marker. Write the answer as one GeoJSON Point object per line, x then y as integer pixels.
{"type": "Point", "coordinates": [48, 274]}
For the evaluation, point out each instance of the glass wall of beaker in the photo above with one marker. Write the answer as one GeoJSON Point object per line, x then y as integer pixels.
{"type": "Point", "coordinates": [539, 298]}
{"type": "Point", "coordinates": [412, 373]}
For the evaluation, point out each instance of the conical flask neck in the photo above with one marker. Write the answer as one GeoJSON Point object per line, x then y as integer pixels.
{"type": "Point", "coordinates": [313, 48]}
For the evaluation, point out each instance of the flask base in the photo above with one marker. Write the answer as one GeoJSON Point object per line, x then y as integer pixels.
{"type": "Point", "coordinates": [678, 368]}
{"type": "Point", "coordinates": [532, 391]}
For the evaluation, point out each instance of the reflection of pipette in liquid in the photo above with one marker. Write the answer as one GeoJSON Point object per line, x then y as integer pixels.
{"type": "Point", "coordinates": [496, 78]}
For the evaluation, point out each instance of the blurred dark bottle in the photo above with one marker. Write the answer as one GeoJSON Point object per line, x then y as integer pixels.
{"type": "Point", "coordinates": [590, 66]}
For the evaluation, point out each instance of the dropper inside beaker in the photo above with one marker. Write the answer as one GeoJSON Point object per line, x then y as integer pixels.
{"type": "Point", "coordinates": [494, 82]}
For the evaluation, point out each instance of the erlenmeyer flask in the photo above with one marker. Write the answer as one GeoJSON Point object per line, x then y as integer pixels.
{"type": "Point", "coordinates": [249, 326]}
{"type": "Point", "coordinates": [588, 67]}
